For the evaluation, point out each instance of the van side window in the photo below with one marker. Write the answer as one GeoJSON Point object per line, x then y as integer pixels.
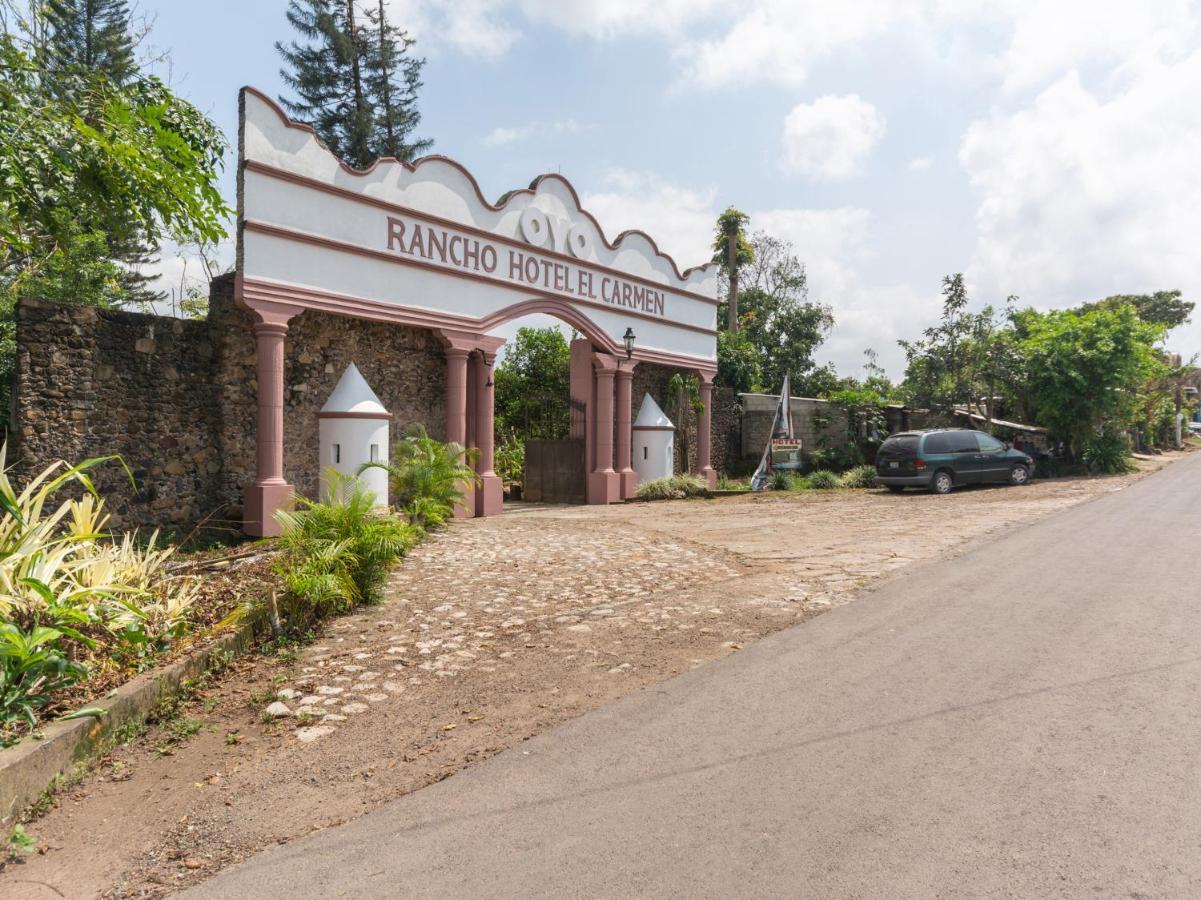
{"type": "Point", "coordinates": [963, 442]}
{"type": "Point", "coordinates": [989, 444]}
{"type": "Point", "coordinates": [938, 443]}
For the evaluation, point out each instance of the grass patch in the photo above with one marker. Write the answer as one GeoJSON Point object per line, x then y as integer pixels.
{"type": "Point", "coordinates": [678, 487]}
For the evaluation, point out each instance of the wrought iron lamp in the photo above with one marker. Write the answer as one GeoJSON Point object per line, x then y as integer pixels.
{"type": "Point", "coordinates": [628, 340]}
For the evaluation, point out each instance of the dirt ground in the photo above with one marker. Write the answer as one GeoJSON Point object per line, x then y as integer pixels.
{"type": "Point", "coordinates": [494, 630]}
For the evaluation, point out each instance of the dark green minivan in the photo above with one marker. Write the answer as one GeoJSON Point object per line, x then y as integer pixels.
{"type": "Point", "coordinates": [940, 460]}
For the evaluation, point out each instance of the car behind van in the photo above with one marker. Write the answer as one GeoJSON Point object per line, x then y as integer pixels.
{"type": "Point", "coordinates": [941, 460]}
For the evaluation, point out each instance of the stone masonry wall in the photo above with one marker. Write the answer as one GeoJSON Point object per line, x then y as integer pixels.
{"type": "Point", "coordinates": [807, 415]}
{"type": "Point", "coordinates": [178, 400]}
{"type": "Point", "coordinates": [93, 382]}
{"type": "Point", "coordinates": [405, 366]}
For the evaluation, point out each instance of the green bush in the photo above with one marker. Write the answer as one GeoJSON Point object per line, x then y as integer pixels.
{"type": "Point", "coordinates": [32, 668]}
{"type": "Point", "coordinates": [859, 477]}
{"type": "Point", "coordinates": [678, 487]}
{"type": "Point", "coordinates": [338, 553]}
{"type": "Point", "coordinates": [1107, 454]}
{"type": "Point", "coordinates": [823, 480]}
{"type": "Point", "coordinates": [726, 483]}
{"type": "Point", "coordinates": [510, 459]}
{"type": "Point", "coordinates": [428, 478]}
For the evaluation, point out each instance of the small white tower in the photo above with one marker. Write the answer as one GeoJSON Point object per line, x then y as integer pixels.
{"type": "Point", "coordinates": [354, 430]}
{"type": "Point", "coordinates": [654, 442]}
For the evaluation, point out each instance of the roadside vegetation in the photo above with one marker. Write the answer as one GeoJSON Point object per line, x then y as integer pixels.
{"type": "Point", "coordinates": [75, 603]}
{"type": "Point", "coordinates": [83, 610]}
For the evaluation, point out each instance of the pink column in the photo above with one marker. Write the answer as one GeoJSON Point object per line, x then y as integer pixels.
{"type": "Point", "coordinates": [456, 414]}
{"type": "Point", "coordinates": [490, 494]}
{"type": "Point", "coordinates": [625, 436]}
{"type": "Point", "coordinates": [704, 445]}
{"type": "Point", "coordinates": [604, 485]}
{"type": "Point", "coordinates": [269, 492]}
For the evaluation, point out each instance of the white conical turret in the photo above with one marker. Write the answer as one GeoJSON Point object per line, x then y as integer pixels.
{"type": "Point", "coordinates": [353, 430]}
{"type": "Point", "coordinates": [654, 442]}
{"type": "Point", "coordinates": [353, 395]}
{"type": "Point", "coordinates": [651, 416]}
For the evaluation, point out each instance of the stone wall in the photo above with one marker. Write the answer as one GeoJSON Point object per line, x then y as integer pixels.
{"type": "Point", "coordinates": [93, 382]}
{"type": "Point", "coordinates": [405, 366]}
{"type": "Point", "coordinates": [178, 400]}
{"type": "Point", "coordinates": [817, 423]}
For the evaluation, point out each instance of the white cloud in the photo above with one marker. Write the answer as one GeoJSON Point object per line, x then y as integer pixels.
{"type": "Point", "coordinates": [1084, 194]}
{"type": "Point", "coordinates": [778, 41]}
{"type": "Point", "coordinates": [680, 220]}
{"type": "Point", "coordinates": [920, 164]}
{"type": "Point", "coordinates": [830, 137]}
{"type": "Point", "coordinates": [499, 137]}
{"type": "Point", "coordinates": [834, 245]}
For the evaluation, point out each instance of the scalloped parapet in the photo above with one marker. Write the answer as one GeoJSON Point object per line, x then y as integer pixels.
{"type": "Point", "coordinates": [419, 242]}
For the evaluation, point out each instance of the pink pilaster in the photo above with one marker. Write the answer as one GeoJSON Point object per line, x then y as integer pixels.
{"type": "Point", "coordinates": [269, 492]}
{"type": "Point", "coordinates": [604, 484]}
{"type": "Point", "coordinates": [456, 415]}
{"type": "Point", "coordinates": [625, 438]}
{"type": "Point", "coordinates": [704, 439]}
{"type": "Point", "coordinates": [490, 493]}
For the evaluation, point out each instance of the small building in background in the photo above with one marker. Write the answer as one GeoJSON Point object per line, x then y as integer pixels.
{"type": "Point", "coordinates": [353, 430]}
{"type": "Point", "coordinates": [654, 438]}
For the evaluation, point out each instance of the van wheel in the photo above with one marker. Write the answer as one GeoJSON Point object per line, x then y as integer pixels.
{"type": "Point", "coordinates": [896, 488]}
{"type": "Point", "coordinates": [1019, 475]}
{"type": "Point", "coordinates": [942, 482]}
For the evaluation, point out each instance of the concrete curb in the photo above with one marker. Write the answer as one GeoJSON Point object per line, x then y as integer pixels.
{"type": "Point", "coordinates": [29, 767]}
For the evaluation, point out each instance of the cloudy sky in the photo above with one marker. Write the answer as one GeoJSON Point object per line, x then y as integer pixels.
{"type": "Point", "coordinates": [1050, 149]}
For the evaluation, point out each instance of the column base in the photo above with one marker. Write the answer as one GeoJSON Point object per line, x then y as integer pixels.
{"type": "Point", "coordinates": [490, 496]}
{"type": "Point", "coordinates": [629, 484]}
{"type": "Point", "coordinates": [604, 487]}
{"type": "Point", "coordinates": [261, 503]}
{"type": "Point", "coordinates": [710, 477]}
{"type": "Point", "coordinates": [466, 509]}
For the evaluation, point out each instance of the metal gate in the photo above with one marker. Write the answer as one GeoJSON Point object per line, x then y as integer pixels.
{"type": "Point", "coordinates": [554, 472]}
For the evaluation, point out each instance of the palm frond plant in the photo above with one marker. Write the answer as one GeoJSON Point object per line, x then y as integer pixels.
{"type": "Point", "coordinates": [337, 553]}
{"type": "Point", "coordinates": [428, 478]}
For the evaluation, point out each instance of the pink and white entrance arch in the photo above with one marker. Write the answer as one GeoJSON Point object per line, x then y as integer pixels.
{"type": "Point", "coordinates": [417, 244]}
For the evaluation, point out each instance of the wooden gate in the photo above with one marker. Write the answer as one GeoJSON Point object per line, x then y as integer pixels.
{"type": "Point", "coordinates": [554, 472]}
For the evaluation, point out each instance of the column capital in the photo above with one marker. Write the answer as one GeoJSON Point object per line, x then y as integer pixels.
{"type": "Point", "coordinates": [625, 368]}
{"type": "Point", "coordinates": [605, 364]}
{"type": "Point", "coordinates": [271, 313]}
{"type": "Point", "coordinates": [706, 376]}
{"type": "Point", "coordinates": [468, 341]}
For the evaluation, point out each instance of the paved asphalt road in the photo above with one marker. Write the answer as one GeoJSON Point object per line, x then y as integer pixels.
{"type": "Point", "coordinates": [1023, 720]}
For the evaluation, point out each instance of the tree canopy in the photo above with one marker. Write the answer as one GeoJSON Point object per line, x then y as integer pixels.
{"type": "Point", "coordinates": [533, 384]}
{"type": "Point", "coordinates": [779, 327]}
{"type": "Point", "coordinates": [91, 169]}
{"type": "Point", "coordinates": [354, 78]}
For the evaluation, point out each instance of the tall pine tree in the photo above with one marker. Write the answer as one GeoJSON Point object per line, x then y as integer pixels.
{"type": "Point", "coordinates": [95, 38]}
{"type": "Point", "coordinates": [394, 77]}
{"type": "Point", "coordinates": [355, 82]}
{"type": "Point", "coordinates": [92, 36]}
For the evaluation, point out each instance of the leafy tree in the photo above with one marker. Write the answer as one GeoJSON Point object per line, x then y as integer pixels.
{"type": "Point", "coordinates": [961, 358]}
{"type": "Point", "coordinates": [355, 82]}
{"type": "Point", "coordinates": [1166, 308]}
{"type": "Point", "coordinates": [775, 313]}
{"type": "Point", "coordinates": [95, 39]}
{"type": "Point", "coordinates": [533, 384]}
{"type": "Point", "coordinates": [87, 164]}
{"type": "Point", "coordinates": [738, 362]}
{"type": "Point", "coordinates": [1084, 369]}
{"type": "Point", "coordinates": [732, 251]}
